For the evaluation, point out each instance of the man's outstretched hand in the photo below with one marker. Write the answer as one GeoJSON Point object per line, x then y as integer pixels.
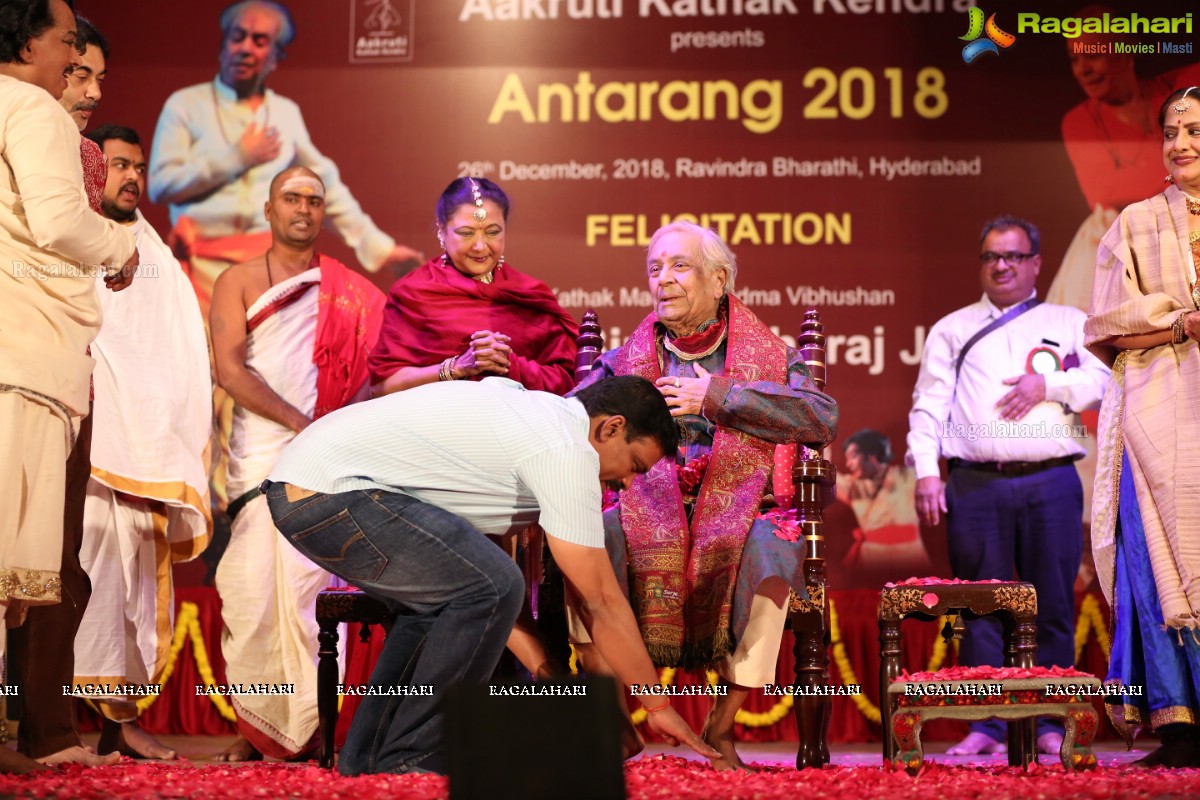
{"type": "Point", "coordinates": [669, 725]}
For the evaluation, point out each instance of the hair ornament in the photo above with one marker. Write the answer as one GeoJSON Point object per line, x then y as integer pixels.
{"type": "Point", "coordinates": [1184, 104]}
{"type": "Point", "coordinates": [480, 213]}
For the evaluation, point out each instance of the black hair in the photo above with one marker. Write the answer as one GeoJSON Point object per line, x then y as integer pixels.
{"type": "Point", "coordinates": [1172, 99]}
{"type": "Point", "coordinates": [871, 443]}
{"type": "Point", "coordinates": [1007, 222]}
{"type": "Point", "coordinates": [639, 402]}
{"type": "Point", "coordinates": [460, 192]}
{"type": "Point", "coordinates": [86, 34]}
{"type": "Point", "coordinates": [110, 131]}
{"type": "Point", "coordinates": [20, 21]}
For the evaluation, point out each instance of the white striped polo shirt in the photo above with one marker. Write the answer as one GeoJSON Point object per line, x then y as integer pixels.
{"type": "Point", "coordinates": [498, 455]}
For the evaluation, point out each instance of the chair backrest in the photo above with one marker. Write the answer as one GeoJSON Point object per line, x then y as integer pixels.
{"type": "Point", "coordinates": [589, 342]}
{"type": "Point", "coordinates": [812, 476]}
{"type": "Point", "coordinates": [811, 344]}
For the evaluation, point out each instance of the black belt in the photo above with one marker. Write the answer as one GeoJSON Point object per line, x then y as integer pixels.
{"type": "Point", "coordinates": [236, 506]}
{"type": "Point", "coordinates": [1012, 469]}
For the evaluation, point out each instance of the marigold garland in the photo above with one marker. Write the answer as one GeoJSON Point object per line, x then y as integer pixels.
{"type": "Point", "coordinates": [187, 626]}
{"type": "Point", "coordinates": [860, 700]}
{"type": "Point", "coordinates": [1090, 619]}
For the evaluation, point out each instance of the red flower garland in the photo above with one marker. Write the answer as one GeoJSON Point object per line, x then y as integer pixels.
{"type": "Point", "coordinates": [933, 581]}
{"type": "Point", "coordinates": [987, 673]}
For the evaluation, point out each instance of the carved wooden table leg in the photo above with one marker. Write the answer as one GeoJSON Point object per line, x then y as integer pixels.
{"type": "Point", "coordinates": [889, 670]}
{"type": "Point", "coordinates": [906, 733]}
{"type": "Point", "coordinates": [1020, 646]}
{"type": "Point", "coordinates": [1081, 725]}
{"type": "Point", "coordinates": [327, 696]}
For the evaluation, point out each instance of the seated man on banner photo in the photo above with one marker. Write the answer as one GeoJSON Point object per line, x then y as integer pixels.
{"type": "Point", "coordinates": [1001, 384]}
{"type": "Point", "coordinates": [147, 501]}
{"type": "Point", "coordinates": [291, 330]}
{"type": "Point", "coordinates": [399, 496]}
{"type": "Point", "coordinates": [707, 568]}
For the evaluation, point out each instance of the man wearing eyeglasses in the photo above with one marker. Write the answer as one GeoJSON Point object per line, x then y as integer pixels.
{"type": "Point", "coordinates": [1001, 384]}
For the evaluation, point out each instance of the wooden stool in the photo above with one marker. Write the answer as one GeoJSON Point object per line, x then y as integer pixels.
{"type": "Point", "coordinates": [1014, 603]}
{"type": "Point", "coordinates": [1025, 699]}
{"type": "Point", "coordinates": [335, 606]}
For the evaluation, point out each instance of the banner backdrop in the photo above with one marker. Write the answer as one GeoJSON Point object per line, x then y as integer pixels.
{"type": "Point", "coordinates": [846, 149]}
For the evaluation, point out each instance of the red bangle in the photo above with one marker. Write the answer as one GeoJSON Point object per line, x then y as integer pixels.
{"type": "Point", "coordinates": [663, 707]}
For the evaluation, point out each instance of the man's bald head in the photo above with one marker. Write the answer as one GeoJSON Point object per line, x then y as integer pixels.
{"type": "Point", "coordinates": [296, 207]}
{"type": "Point", "coordinates": [314, 184]}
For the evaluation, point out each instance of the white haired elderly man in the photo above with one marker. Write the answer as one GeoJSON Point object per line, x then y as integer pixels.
{"type": "Point", "coordinates": [707, 571]}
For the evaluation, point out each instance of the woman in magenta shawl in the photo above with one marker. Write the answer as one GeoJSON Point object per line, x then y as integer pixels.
{"type": "Point", "coordinates": [468, 314]}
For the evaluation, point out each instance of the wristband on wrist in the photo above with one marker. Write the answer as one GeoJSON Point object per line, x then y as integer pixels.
{"type": "Point", "coordinates": [666, 704]}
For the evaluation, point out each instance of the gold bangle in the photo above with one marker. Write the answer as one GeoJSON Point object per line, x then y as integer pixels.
{"type": "Point", "coordinates": [1179, 329]}
{"type": "Point", "coordinates": [663, 707]}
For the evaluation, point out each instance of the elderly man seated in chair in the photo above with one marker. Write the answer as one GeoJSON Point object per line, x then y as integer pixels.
{"type": "Point", "coordinates": [708, 571]}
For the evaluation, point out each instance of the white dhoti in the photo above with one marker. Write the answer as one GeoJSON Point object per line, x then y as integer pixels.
{"type": "Point", "coordinates": [268, 590]}
{"type": "Point", "coordinates": [147, 502]}
{"type": "Point", "coordinates": [127, 628]}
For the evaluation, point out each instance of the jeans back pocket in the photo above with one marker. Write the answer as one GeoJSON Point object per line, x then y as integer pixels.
{"type": "Point", "coordinates": [339, 544]}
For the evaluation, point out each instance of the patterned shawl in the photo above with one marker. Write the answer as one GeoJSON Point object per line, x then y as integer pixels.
{"type": "Point", "coordinates": [684, 579]}
{"type": "Point", "coordinates": [1150, 411]}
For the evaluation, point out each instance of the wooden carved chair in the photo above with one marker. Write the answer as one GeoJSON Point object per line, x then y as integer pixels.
{"type": "Point", "coordinates": [813, 479]}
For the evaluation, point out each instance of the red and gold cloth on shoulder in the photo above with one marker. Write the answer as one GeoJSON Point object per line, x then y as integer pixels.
{"type": "Point", "coordinates": [95, 171]}
{"type": "Point", "coordinates": [432, 312]}
{"type": "Point", "coordinates": [684, 577]}
{"type": "Point", "coordinates": [349, 318]}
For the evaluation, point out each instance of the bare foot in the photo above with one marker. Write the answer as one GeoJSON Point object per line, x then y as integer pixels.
{"type": "Point", "coordinates": [976, 744]}
{"type": "Point", "coordinates": [240, 750]}
{"type": "Point", "coordinates": [128, 739]}
{"type": "Point", "coordinates": [80, 755]}
{"type": "Point", "coordinates": [722, 742]}
{"type": "Point", "coordinates": [14, 763]}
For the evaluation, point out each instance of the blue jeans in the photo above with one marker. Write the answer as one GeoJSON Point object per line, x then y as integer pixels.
{"type": "Point", "coordinates": [1033, 523]}
{"type": "Point", "coordinates": [459, 595]}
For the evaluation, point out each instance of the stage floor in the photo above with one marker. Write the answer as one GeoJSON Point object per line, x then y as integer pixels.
{"type": "Point", "coordinates": [660, 773]}
{"type": "Point", "coordinates": [1110, 753]}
